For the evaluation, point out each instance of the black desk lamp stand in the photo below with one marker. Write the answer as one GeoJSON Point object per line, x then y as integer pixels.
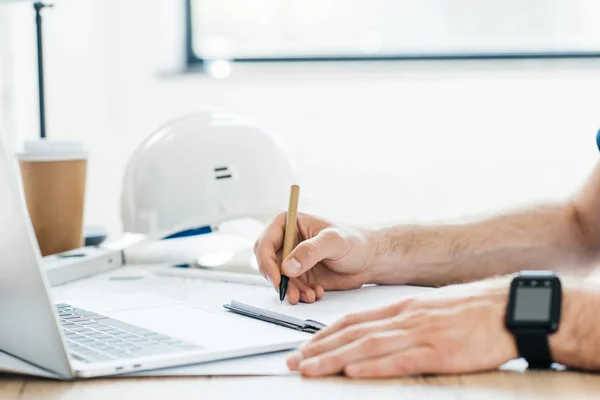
{"type": "Point", "coordinates": [39, 6]}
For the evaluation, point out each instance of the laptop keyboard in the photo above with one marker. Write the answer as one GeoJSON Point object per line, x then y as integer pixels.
{"type": "Point", "coordinates": [93, 337]}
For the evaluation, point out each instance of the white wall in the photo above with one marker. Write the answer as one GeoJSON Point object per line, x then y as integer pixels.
{"type": "Point", "coordinates": [374, 142]}
{"type": "Point", "coordinates": [6, 77]}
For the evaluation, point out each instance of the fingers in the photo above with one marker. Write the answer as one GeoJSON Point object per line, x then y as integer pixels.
{"type": "Point", "coordinates": [353, 334]}
{"type": "Point", "coordinates": [362, 317]}
{"type": "Point", "coordinates": [374, 345]}
{"type": "Point", "coordinates": [319, 291]}
{"type": "Point", "coordinates": [307, 294]}
{"type": "Point", "coordinates": [414, 361]}
{"type": "Point", "coordinates": [293, 294]}
{"type": "Point", "coordinates": [379, 320]}
{"type": "Point", "coordinates": [266, 248]}
{"type": "Point", "coordinates": [327, 244]}
{"type": "Point", "coordinates": [270, 270]}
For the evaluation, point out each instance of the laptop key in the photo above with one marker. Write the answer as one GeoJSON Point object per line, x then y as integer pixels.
{"type": "Point", "coordinates": [83, 312]}
{"type": "Point", "coordinates": [103, 348]}
{"type": "Point", "coordinates": [84, 339]}
{"type": "Point", "coordinates": [86, 333]}
{"type": "Point", "coordinates": [69, 316]}
{"type": "Point", "coordinates": [96, 317]}
{"type": "Point", "coordinates": [97, 332]}
{"type": "Point", "coordinates": [89, 315]}
{"type": "Point", "coordinates": [112, 339]}
{"type": "Point", "coordinates": [76, 328]}
{"type": "Point", "coordinates": [102, 327]}
{"type": "Point", "coordinates": [75, 318]}
{"type": "Point", "coordinates": [121, 334]}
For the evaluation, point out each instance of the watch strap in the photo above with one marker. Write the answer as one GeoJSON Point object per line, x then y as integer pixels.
{"type": "Point", "coordinates": [534, 348]}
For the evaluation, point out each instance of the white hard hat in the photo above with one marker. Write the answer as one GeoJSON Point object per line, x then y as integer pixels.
{"type": "Point", "coordinates": [201, 170]}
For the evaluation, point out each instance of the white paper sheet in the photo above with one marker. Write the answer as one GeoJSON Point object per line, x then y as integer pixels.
{"type": "Point", "coordinates": [335, 304]}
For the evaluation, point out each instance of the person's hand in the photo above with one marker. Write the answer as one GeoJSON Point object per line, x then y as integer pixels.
{"type": "Point", "coordinates": [457, 332]}
{"type": "Point", "coordinates": [325, 257]}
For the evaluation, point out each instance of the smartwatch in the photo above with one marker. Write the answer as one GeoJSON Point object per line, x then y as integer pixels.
{"type": "Point", "coordinates": [533, 312]}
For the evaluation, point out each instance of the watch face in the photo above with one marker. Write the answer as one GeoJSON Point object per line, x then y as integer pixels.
{"type": "Point", "coordinates": [534, 303]}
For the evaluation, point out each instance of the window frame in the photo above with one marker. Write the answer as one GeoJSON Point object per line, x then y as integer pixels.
{"type": "Point", "coordinates": [198, 63]}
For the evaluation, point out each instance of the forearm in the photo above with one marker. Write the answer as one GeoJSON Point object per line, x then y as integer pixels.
{"type": "Point", "coordinates": [549, 237]}
{"type": "Point", "coordinates": [576, 344]}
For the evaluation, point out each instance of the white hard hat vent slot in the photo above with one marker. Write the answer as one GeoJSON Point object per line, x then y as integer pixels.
{"type": "Point", "coordinates": [223, 173]}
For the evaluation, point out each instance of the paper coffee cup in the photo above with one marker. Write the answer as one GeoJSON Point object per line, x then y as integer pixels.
{"type": "Point", "coordinates": [54, 180]}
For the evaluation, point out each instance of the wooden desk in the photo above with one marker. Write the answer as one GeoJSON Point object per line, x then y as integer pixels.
{"type": "Point", "coordinates": [497, 385]}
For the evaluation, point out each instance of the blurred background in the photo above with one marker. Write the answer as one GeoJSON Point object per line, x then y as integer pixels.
{"type": "Point", "coordinates": [392, 110]}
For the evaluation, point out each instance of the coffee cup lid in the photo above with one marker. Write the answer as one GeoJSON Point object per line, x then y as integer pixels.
{"type": "Point", "coordinates": [52, 150]}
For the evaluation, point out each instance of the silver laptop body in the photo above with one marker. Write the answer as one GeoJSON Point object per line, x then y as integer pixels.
{"type": "Point", "coordinates": [72, 342]}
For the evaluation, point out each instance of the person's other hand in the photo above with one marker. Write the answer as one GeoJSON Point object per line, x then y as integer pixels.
{"type": "Point", "coordinates": [325, 257]}
{"type": "Point", "coordinates": [457, 333]}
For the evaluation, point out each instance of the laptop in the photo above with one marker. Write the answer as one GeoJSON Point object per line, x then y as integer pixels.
{"type": "Point", "coordinates": [76, 342]}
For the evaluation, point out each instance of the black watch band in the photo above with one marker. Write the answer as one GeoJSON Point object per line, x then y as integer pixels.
{"type": "Point", "coordinates": [533, 313]}
{"type": "Point", "coordinates": [534, 348]}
